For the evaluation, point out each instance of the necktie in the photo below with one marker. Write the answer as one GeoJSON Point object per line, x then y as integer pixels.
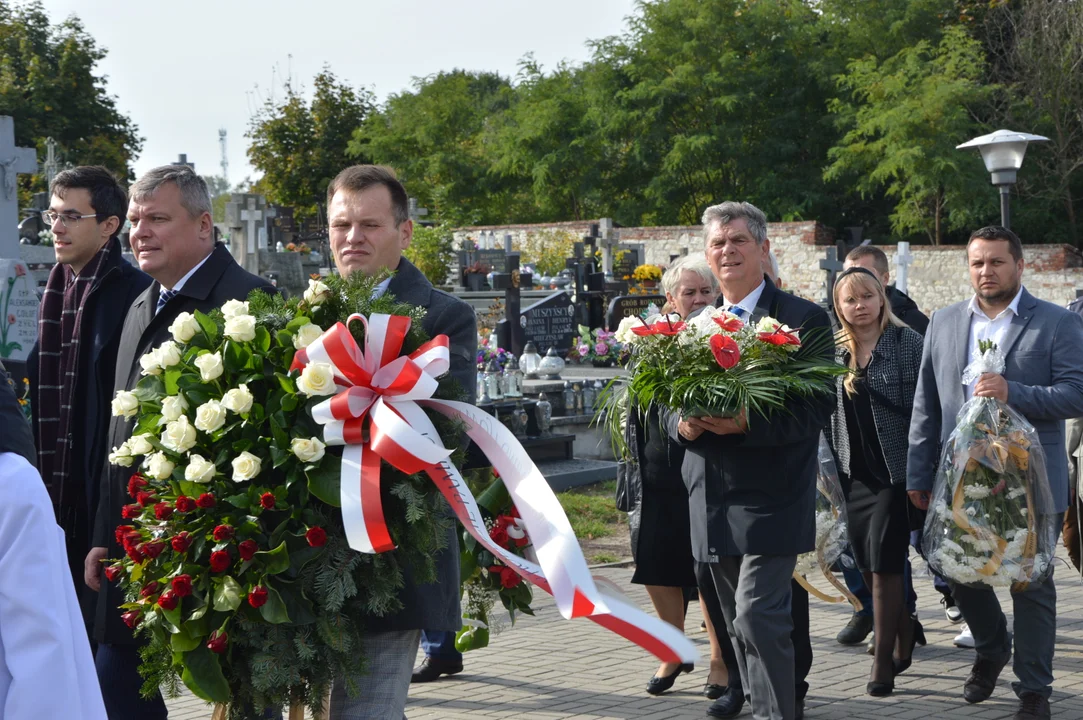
{"type": "Point", "coordinates": [736, 310]}
{"type": "Point", "coordinates": [164, 296]}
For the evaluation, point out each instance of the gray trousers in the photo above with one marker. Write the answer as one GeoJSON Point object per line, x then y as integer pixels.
{"type": "Point", "coordinates": [754, 591]}
{"type": "Point", "coordinates": [385, 682]}
{"type": "Point", "coordinates": [1035, 611]}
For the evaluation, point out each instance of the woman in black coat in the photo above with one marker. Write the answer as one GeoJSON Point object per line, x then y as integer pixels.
{"type": "Point", "coordinates": [869, 431]}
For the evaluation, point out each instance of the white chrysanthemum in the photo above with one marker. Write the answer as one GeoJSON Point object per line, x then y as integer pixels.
{"type": "Point", "coordinates": [976, 492]}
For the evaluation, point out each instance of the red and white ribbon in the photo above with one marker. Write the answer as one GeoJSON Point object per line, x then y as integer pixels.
{"type": "Point", "coordinates": [390, 390]}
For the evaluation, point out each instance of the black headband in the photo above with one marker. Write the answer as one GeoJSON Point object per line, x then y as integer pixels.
{"type": "Point", "coordinates": [857, 269]}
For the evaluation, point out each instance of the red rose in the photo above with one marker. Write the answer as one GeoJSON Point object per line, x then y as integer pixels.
{"type": "Point", "coordinates": [218, 642]}
{"type": "Point", "coordinates": [149, 589]}
{"type": "Point", "coordinates": [219, 561]}
{"type": "Point", "coordinates": [185, 504]}
{"type": "Point", "coordinates": [144, 498]}
{"type": "Point", "coordinates": [267, 500]}
{"type": "Point", "coordinates": [248, 549]}
{"type": "Point", "coordinates": [523, 541]}
{"type": "Point", "coordinates": [134, 553]}
{"type": "Point", "coordinates": [316, 536]}
{"type": "Point", "coordinates": [168, 600]}
{"type": "Point", "coordinates": [112, 573]}
{"type": "Point", "coordinates": [258, 596]}
{"type": "Point", "coordinates": [499, 534]}
{"type": "Point", "coordinates": [163, 511]}
{"type": "Point", "coordinates": [224, 532]}
{"type": "Point", "coordinates": [130, 512]}
{"type": "Point", "coordinates": [153, 549]}
{"type": "Point", "coordinates": [182, 585]}
{"type": "Point", "coordinates": [725, 351]}
{"type": "Point", "coordinates": [509, 578]}
{"type": "Point", "coordinates": [121, 531]}
{"type": "Point", "coordinates": [181, 541]}
{"type": "Point", "coordinates": [131, 539]}
{"type": "Point", "coordinates": [205, 501]}
{"type": "Point", "coordinates": [131, 618]}
{"type": "Point", "coordinates": [135, 484]}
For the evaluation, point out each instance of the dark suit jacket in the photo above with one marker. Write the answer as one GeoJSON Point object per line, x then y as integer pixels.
{"type": "Point", "coordinates": [436, 606]}
{"type": "Point", "coordinates": [755, 493]}
{"type": "Point", "coordinates": [16, 437]}
{"type": "Point", "coordinates": [907, 310]}
{"type": "Point", "coordinates": [218, 280]}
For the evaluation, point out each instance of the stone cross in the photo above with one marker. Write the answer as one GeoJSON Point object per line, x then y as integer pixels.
{"type": "Point", "coordinates": [13, 162]}
{"type": "Point", "coordinates": [253, 218]}
{"type": "Point", "coordinates": [903, 258]}
{"type": "Point", "coordinates": [830, 265]}
{"type": "Point", "coordinates": [244, 216]}
{"type": "Point", "coordinates": [52, 166]}
{"type": "Point", "coordinates": [511, 282]}
{"type": "Point", "coordinates": [414, 211]}
{"type": "Point", "coordinates": [608, 244]}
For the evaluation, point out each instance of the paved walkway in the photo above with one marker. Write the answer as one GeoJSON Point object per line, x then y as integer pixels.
{"type": "Point", "coordinates": [546, 668]}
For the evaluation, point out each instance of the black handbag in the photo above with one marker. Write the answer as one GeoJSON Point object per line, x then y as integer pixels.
{"type": "Point", "coordinates": [625, 496]}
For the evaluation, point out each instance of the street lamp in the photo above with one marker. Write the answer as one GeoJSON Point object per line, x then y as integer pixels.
{"type": "Point", "coordinates": [1003, 153]}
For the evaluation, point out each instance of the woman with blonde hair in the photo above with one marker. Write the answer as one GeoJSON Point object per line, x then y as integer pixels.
{"type": "Point", "coordinates": [869, 432]}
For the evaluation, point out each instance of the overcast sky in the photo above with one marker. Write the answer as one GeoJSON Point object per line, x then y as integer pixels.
{"type": "Point", "coordinates": [182, 70]}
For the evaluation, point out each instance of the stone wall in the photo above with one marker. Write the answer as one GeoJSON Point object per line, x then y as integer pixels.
{"type": "Point", "coordinates": [937, 277]}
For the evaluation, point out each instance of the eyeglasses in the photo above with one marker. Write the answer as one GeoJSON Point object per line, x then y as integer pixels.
{"type": "Point", "coordinates": [65, 219]}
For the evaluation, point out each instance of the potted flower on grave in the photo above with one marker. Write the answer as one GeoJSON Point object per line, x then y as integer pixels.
{"type": "Point", "coordinates": [647, 275]}
{"type": "Point", "coordinates": [598, 347]}
{"type": "Point", "coordinates": [474, 276]}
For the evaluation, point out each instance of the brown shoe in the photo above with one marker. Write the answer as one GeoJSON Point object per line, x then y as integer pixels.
{"type": "Point", "coordinates": [983, 677]}
{"type": "Point", "coordinates": [1032, 706]}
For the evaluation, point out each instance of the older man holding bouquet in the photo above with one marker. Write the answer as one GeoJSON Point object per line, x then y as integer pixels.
{"type": "Point", "coordinates": [755, 472]}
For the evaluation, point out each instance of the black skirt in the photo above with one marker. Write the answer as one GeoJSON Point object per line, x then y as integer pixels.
{"type": "Point", "coordinates": [879, 526]}
{"type": "Point", "coordinates": [663, 550]}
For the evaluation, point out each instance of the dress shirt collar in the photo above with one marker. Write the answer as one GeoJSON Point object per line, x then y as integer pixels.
{"type": "Point", "coordinates": [748, 302]}
{"type": "Point", "coordinates": [180, 283]}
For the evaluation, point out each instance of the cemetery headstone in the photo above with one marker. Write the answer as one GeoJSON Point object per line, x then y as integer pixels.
{"type": "Point", "coordinates": [903, 258]}
{"type": "Point", "coordinates": [19, 308]}
{"type": "Point", "coordinates": [626, 260]}
{"type": "Point", "coordinates": [830, 265]}
{"type": "Point", "coordinates": [624, 306]}
{"type": "Point", "coordinates": [550, 323]}
{"type": "Point", "coordinates": [14, 161]}
{"type": "Point", "coordinates": [509, 331]}
{"type": "Point", "coordinates": [496, 259]}
{"type": "Point", "coordinates": [244, 216]}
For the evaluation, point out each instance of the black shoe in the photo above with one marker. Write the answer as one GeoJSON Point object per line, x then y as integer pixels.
{"type": "Point", "coordinates": [918, 638]}
{"type": "Point", "coordinates": [729, 705]}
{"type": "Point", "coordinates": [880, 689]}
{"type": "Point", "coordinates": [432, 668]}
{"type": "Point", "coordinates": [713, 691]}
{"type": "Point", "coordinates": [1032, 706]}
{"type": "Point", "coordinates": [856, 630]}
{"type": "Point", "coordinates": [799, 710]}
{"type": "Point", "coordinates": [983, 677]}
{"type": "Point", "coordinates": [658, 685]}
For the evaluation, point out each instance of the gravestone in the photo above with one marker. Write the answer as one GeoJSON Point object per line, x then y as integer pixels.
{"type": "Point", "coordinates": [830, 265]}
{"type": "Point", "coordinates": [496, 259]}
{"type": "Point", "coordinates": [13, 162]}
{"type": "Point", "coordinates": [509, 331]}
{"type": "Point", "coordinates": [623, 306]}
{"type": "Point", "coordinates": [244, 216]}
{"type": "Point", "coordinates": [903, 258]}
{"type": "Point", "coordinates": [19, 308]}
{"type": "Point", "coordinates": [550, 323]}
{"type": "Point", "coordinates": [626, 260]}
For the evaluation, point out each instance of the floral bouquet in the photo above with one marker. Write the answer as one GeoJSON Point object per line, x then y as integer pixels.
{"type": "Point", "coordinates": [237, 568]}
{"type": "Point", "coordinates": [716, 364]}
{"type": "Point", "coordinates": [991, 521]}
{"type": "Point", "coordinates": [486, 353]}
{"type": "Point", "coordinates": [832, 538]}
{"type": "Point", "coordinates": [598, 346]}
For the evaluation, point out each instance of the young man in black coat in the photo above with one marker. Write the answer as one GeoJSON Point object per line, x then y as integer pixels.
{"type": "Point", "coordinates": [370, 226]}
{"type": "Point", "coordinates": [172, 238]}
{"type": "Point", "coordinates": [72, 365]}
{"type": "Point", "coordinates": [751, 475]}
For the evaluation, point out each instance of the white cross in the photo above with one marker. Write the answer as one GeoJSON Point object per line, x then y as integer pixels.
{"type": "Point", "coordinates": [903, 258]}
{"type": "Point", "coordinates": [13, 161]}
{"type": "Point", "coordinates": [253, 217]}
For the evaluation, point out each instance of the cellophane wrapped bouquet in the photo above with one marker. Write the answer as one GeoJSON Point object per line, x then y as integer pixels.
{"type": "Point", "coordinates": [991, 520]}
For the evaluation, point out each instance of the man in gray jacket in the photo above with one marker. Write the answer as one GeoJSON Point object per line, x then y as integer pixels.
{"type": "Point", "coordinates": [1043, 380]}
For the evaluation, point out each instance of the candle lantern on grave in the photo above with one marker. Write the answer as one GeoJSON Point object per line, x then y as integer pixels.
{"type": "Point", "coordinates": [551, 365]}
{"type": "Point", "coordinates": [589, 395]}
{"type": "Point", "coordinates": [569, 398]}
{"type": "Point", "coordinates": [521, 417]}
{"type": "Point", "coordinates": [493, 381]}
{"type": "Point", "coordinates": [530, 360]}
{"type": "Point", "coordinates": [480, 390]}
{"type": "Point", "coordinates": [543, 413]}
{"type": "Point", "coordinates": [513, 379]}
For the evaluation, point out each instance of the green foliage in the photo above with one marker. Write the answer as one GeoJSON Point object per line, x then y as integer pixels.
{"type": "Point", "coordinates": [432, 251]}
{"type": "Point", "coordinates": [300, 146]}
{"type": "Point", "coordinates": [546, 250]}
{"type": "Point", "coordinates": [49, 85]}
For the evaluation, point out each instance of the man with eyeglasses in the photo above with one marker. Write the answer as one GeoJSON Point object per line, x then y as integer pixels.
{"type": "Point", "coordinates": [71, 367]}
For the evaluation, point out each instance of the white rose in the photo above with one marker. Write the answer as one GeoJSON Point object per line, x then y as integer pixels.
{"type": "Point", "coordinates": [245, 467]}
{"type": "Point", "coordinates": [150, 363]}
{"type": "Point", "coordinates": [184, 327]}
{"type": "Point", "coordinates": [317, 293]}
{"type": "Point", "coordinates": [307, 450]}
{"type": "Point", "coordinates": [140, 444]}
{"type": "Point", "coordinates": [179, 435]}
{"type": "Point", "coordinates": [317, 379]}
{"type": "Point", "coordinates": [172, 408]}
{"type": "Point", "coordinates": [210, 366]}
{"type": "Point", "coordinates": [238, 400]}
{"type": "Point", "coordinates": [121, 456]}
{"type": "Point", "coordinates": [168, 354]}
{"type": "Point", "coordinates": [241, 328]}
{"type": "Point", "coordinates": [767, 325]}
{"type": "Point", "coordinates": [624, 334]}
{"type": "Point", "coordinates": [307, 335]}
{"type": "Point", "coordinates": [159, 466]}
{"type": "Point", "coordinates": [125, 404]}
{"type": "Point", "coordinates": [233, 308]}
{"type": "Point", "coordinates": [199, 469]}
{"type": "Point", "coordinates": [210, 416]}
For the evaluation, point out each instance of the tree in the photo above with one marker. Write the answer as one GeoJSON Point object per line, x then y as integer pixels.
{"type": "Point", "coordinates": [432, 251]}
{"type": "Point", "coordinates": [906, 115]}
{"type": "Point", "coordinates": [48, 84]}
{"type": "Point", "coordinates": [300, 146]}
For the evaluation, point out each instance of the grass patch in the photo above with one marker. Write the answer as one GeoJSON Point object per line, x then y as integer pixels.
{"type": "Point", "coordinates": [592, 510]}
{"type": "Point", "coordinates": [603, 558]}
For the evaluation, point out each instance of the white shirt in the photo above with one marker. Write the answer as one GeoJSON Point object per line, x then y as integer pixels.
{"type": "Point", "coordinates": [180, 283]}
{"type": "Point", "coordinates": [982, 327]}
{"type": "Point", "coordinates": [748, 303]}
{"type": "Point", "coordinates": [380, 289]}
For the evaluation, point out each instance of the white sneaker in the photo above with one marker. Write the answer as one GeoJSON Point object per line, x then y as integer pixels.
{"type": "Point", "coordinates": [964, 639]}
{"type": "Point", "coordinates": [952, 612]}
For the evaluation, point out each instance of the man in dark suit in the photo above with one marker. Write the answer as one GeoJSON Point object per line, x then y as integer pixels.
{"type": "Point", "coordinates": [370, 226]}
{"type": "Point", "coordinates": [1043, 380]}
{"type": "Point", "coordinates": [752, 474]}
{"type": "Point", "coordinates": [172, 238]}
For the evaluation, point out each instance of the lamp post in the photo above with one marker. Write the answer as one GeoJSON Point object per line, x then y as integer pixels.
{"type": "Point", "coordinates": [1003, 153]}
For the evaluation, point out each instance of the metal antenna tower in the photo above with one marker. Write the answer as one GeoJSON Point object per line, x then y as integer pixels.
{"type": "Point", "coordinates": [225, 158]}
